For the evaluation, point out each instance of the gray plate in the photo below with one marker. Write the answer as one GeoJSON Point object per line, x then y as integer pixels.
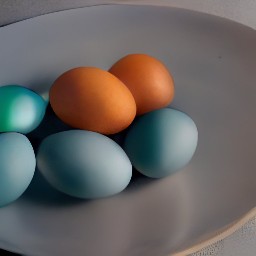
{"type": "Point", "coordinates": [213, 62]}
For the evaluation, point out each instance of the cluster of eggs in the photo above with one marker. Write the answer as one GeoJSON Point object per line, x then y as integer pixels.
{"type": "Point", "coordinates": [84, 161]}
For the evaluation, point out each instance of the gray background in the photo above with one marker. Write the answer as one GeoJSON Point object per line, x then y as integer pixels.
{"type": "Point", "coordinates": [243, 11]}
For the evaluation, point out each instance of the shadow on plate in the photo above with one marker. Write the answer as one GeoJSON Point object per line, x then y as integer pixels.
{"type": "Point", "coordinates": [138, 181]}
{"type": "Point", "coordinates": [41, 192]}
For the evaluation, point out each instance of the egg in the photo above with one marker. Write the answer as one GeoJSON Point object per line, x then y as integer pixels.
{"type": "Point", "coordinates": [21, 110]}
{"type": "Point", "coordinates": [17, 166]}
{"type": "Point", "coordinates": [92, 99]}
{"type": "Point", "coordinates": [149, 81]}
{"type": "Point", "coordinates": [161, 142]}
{"type": "Point", "coordinates": [84, 164]}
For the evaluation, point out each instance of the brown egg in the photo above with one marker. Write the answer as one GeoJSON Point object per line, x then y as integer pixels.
{"type": "Point", "coordinates": [147, 78]}
{"type": "Point", "coordinates": [92, 99]}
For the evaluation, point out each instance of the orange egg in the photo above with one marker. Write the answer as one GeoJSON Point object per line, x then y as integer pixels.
{"type": "Point", "coordinates": [92, 99]}
{"type": "Point", "coordinates": [148, 79]}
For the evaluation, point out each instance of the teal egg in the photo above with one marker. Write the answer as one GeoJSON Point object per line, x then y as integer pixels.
{"type": "Point", "coordinates": [21, 110]}
{"type": "Point", "coordinates": [84, 164]}
{"type": "Point", "coordinates": [161, 142]}
{"type": "Point", "coordinates": [17, 166]}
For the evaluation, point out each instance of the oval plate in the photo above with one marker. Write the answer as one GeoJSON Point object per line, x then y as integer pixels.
{"type": "Point", "coordinates": [213, 62]}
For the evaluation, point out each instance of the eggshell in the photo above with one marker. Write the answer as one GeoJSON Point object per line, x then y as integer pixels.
{"type": "Point", "coordinates": [92, 99]}
{"type": "Point", "coordinates": [84, 164]}
{"type": "Point", "coordinates": [149, 81]}
{"type": "Point", "coordinates": [161, 142]}
{"type": "Point", "coordinates": [21, 110]}
{"type": "Point", "coordinates": [17, 166]}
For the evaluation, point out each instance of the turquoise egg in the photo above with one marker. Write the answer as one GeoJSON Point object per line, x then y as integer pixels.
{"type": "Point", "coordinates": [21, 110]}
{"type": "Point", "coordinates": [161, 142]}
{"type": "Point", "coordinates": [84, 164]}
{"type": "Point", "coordinates": [17, 166]}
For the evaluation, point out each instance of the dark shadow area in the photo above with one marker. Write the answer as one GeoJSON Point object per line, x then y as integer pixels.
{"type": "Point", "coordinates": [119, 137]}
{"type": "Point", "coordinates": [51, 124]}
{"type": "Point", "coordinates": [6, 253]}
{"type": "Point", "coordinates": [138, 180]}
{"type": "Point", "coordinates": [41, 192]}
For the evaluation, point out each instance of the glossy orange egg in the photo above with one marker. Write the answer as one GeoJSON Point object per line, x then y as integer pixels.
{"type": "Point", "coordinates": [149, 81]}
{"type": "Point", "coordinates": [92, 99]}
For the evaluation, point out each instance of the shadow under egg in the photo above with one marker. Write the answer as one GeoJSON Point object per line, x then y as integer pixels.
{"type": "Point", "coordinates": [41, 192]}
{"type": "Point", "coordinates": [50, 124]}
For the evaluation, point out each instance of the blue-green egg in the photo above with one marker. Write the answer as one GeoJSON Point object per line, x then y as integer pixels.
{"type": "Point", "coordinates": [21, 110]}
{"type": "Point", "coordinates": [84, 164]}
{"type": "Point", "coordinates": [17, 166]}
{"type": "Point", "coordinates": [161, 142]}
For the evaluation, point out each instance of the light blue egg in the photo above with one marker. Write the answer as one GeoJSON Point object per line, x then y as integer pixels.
{"type": "Point", "coordinates": [17, 166]}
{"type": "Point", "coordinates": [84, 164]}
{"type": "Point", "coordinates": [161, 142]}
{"type": "Point", "coordinates": [21, 110]}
